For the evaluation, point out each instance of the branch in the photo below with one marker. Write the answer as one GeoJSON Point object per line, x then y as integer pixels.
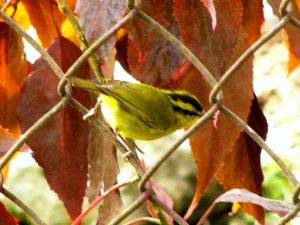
{"type": "Point", "coordinates": [100, 198]}
{"type": "Point", "coordinates": [92, 60]}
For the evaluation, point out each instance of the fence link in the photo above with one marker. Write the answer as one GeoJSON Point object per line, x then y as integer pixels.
{"type": "Point", "coordinates": [216, 97]}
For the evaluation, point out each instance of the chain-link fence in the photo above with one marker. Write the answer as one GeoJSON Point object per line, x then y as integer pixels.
{"type": "Point", "coordinates": [216, 97]}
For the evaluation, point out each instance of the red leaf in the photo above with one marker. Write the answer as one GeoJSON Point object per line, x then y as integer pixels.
{"type": "Point", "coordinates": [152, 59]}
{"type": "Point", "coordinates": [59, 147]}
{"type": "Point", "coordinates": [5, 217]}
{"type": "Point", "coordinates": [13, 69]}
{"type": "Point", "coordinates": [164, 197]}
{"type": "Point", "coordinates": [97, 17]}
{"type": "Point", "coordinates": [46, 19]}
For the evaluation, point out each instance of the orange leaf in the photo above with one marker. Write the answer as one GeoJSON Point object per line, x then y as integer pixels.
{"type": "Point", "coordinates": [19, 15]}
{"type": "Point", "coordinates": [253, 19]}
{"type": "Point", "coordinates": [242, 168]}
{"type": "Point", "coordinates": [13, 69]}
{"type": "Point", "coordinates": [291, 36]}
{"type": "Point", "coordinates": [46, 19]}
{"type": "Point", "coordinates": [294, 61]}
{"type": "Point", "coordinates": [217, 49]}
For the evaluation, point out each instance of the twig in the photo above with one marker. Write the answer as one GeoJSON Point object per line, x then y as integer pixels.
{"type": "Point", "coordinates": [144, 220]}
{"type": "Point", "coordinates": [168, 210]}
{"type": "Point", "coordinates": [100, 198]}
{"type": "Point", "coordinates": [260, 142]}
{"type": "Point", "coordinates": [130, 209]}
{"type": "Point", "coordinates": [288, 217]}
{"type": "Point", "coordinates": [24, 207]}
{"type": "Point", "coordinates": [208, 115]}
{"type": "Point", "coordinates": [296, 194]}
{"type": "Point", "coordinates": [93, 61]}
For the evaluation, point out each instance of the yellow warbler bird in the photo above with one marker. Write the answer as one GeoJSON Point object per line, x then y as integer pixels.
{"type": "Point", "coordinates": [141, 111]}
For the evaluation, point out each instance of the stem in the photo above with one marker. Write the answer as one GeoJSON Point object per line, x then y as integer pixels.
{"type": "Point", "coordinates": [129, 210]}
{"type": "Point", "coordinates": [24, 207]}
{"type": "Point", "coordinates": [288, 217]}
{"type": "Point", "coordinates": [168, 210]}
{"type": "Point", "coordinates": [99, 199]}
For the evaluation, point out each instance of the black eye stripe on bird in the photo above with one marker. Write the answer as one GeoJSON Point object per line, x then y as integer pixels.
{"type": "Point", "coordinates": [185, 112]}
{"type": "Point", "coordinates": [186, 99]}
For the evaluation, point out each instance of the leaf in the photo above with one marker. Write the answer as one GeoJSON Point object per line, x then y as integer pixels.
{"type": "Point", "coordinates": [152, 59]}
{"type": "Point", "coordinates": [155, 210]}
{"type": "Point", "coordinates": [121, 47]}
{"type": "Point", "coordinates": [103, 171]}
{"type": "Point", "coordinates": [293, 60]}
{"type": "Point", "coordinates": [5, 217]}
{"type": "Point", "coordinates": [13, 69]}
{"type": "Point", "coordinates": [59, 147]}
{"type": "Point", "coordinates": [217, 50]}
{"type": "Point", "coordinates": [291, 33]}
{"type": "Point", "coordinates": [97, 17]}
{"type": "Point", "coordinates": [46, 19]}
{"type": "Point", "coordinates": [243, 168]}
{"type": "Point", "coordinates": [253, 18]}
{"type": "Point", "coordinates": [241, 195]}
{"type": "Point", "coordinates": [7, 140]}
{"type": "Point", "coordinates": [19, 15]}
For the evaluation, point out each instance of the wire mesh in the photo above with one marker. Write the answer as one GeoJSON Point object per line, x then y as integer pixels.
{"type": "Point", "coordinates": [216, 97]}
